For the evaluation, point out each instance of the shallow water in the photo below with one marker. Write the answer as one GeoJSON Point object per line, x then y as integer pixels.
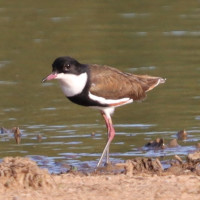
{"type": "Point", "coordinates": [159, 38]}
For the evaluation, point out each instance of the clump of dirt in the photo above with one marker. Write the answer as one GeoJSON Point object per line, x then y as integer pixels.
{"type": "Point", "coordinates": [173, 143]}
{"type": "Point", "coordinates": [191, 165]}
{"type": "Point", "coordinates": [153, 166]}
{"type": "Point", "coordinates": [4, 130]}
{"type": "Point", "coordinates": [158, 143]}
{"type": "Point", "coordinates": [23, 172]}
{"type": "Point", "coordinates": [194, 157]}
{"type": "Point", "coordinates": [182, 135]}
{"type": "Point", "coordinates": [142, 165]}
{"type": "Point", "coordinates": [17, 135]}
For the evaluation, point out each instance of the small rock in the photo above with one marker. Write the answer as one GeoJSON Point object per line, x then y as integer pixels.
{"type": "Point", "coordinates": [93, 134]}
{"type": "Point", "coordinates": [182, 135]}
{"type": "Point", "coordinates": [176, 170]}
{"type": "Point", "coordinates": [108, 178]}
{"type": "Point", "coordinates": [140, 165]}
{"type": "Point", "coordinates": [17, 135]}
{"type": "Point", "coordinates": [198, 145]}
{"type": "Point", "coordinates": [157, 143]}
{"type": "Point", "coordinates": [173, 143]}
{"type": "Point", "coordinates": [178, 158]}
{"type": "Point", "coordinates": [194, 157]}
{"type": "Point", "coordinates": [39, 138]}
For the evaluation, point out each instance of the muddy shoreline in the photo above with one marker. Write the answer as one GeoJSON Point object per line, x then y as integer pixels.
{"type": "Point", "coordinates": [138, 178]}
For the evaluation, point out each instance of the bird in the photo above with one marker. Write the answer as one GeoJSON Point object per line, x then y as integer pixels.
{"type": "Point", "coordinates": [101, 87]}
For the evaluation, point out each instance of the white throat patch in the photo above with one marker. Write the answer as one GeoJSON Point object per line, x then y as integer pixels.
{"type": "Point", "coordinates": [72, 84]}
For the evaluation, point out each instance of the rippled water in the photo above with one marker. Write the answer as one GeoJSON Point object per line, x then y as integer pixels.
{"type": "Point", "coordinates": [159, 38]}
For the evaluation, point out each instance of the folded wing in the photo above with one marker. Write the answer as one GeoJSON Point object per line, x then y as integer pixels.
{"type": "Point", "coordinates": [111, 83]}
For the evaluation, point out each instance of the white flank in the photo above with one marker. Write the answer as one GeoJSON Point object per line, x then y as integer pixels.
{"type": "Point", "coordinates": [110, 101]}
{"type": "Point", "coordinates": [72, 84]}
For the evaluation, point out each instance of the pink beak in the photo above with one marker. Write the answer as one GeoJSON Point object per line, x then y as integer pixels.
{"type": "Point", "coordinates": [49, 77]}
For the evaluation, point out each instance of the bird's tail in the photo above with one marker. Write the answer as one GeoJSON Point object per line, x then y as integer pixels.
{"type": "Point", "coordinates": [149, 82]}
{"type": "Point", "coordinates": [155, 82]}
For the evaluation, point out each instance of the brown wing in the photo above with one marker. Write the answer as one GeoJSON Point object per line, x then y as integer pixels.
{"type": "Point", "coordinates": [111, 83]}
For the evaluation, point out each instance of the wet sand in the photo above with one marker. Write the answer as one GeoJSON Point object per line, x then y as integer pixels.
{"type": "Point", "coordinates": [22, 179]}
{"type": "Point", "coordinates": [111, 187]}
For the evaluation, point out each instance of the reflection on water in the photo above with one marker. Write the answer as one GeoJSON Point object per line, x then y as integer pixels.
{"type": "Point", "coordinates": [155, 38]}
{"type": "Point", "coordinates": [62, 145]}
{"type": "Point", "coordinates": [3, 63]}
{"type": "Point", "coordinates": [132, 15]}
{"type": "Point", "coordinates": [7, 82]}
{"type": "Point", "coordinates": [182, 33]}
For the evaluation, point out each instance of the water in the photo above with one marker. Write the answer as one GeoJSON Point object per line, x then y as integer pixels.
{"type": "Point", "coordinates": [159, 38]}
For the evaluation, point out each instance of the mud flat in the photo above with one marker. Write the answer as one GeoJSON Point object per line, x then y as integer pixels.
{"type": "Point", "coordinates": [139, 178]}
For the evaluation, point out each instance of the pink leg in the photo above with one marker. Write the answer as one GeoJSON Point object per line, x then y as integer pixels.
{"type": "Point", "coordinates": [108, 135]}
{"type": "Point", "coordinates": [111, 135]}
{"type": "Point", "coordinates": [111, 130]}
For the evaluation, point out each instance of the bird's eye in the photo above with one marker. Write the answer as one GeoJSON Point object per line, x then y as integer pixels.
{"type": "Point", "coordinates": [66, 67]}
